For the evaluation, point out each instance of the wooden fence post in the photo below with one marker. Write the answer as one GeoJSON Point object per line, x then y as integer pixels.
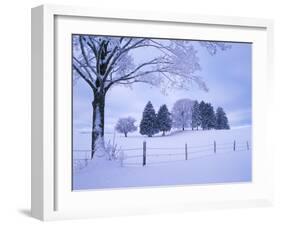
{"type": "Point", "coordinates": [121, 157]}
{"type": "Point", "coordinates": [144, 154]}
{"type": "Point", "coordinates": [248, 146]}
{"type": "Point", "coordinates": [234, 145]}
{"type": "Point", "coordinates": [215, 147]}
{"type": "Point", "coordinates": [186, 155]}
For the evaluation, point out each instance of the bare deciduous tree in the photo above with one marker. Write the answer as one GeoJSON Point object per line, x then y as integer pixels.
{"type": "Point", "coordinates": [182, 113]}
{"type": "Point", "coordinates": [126, 125]}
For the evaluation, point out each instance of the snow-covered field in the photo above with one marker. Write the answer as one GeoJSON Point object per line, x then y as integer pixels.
{"type": "Point", "coordinates": [165, 163]}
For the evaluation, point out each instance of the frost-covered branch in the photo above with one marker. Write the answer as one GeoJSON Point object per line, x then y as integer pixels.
{"type": "Point", "coordinates": [83, 76]}
{"type": "Point", "coordinates": [214, 46]}
{"type": "Point", "coordinates": [83, 51]}
{"type": "Point", "coordinates": [106, 61]}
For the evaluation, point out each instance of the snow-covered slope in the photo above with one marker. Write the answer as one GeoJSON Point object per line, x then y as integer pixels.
{"type": "Point", "coordinates": [166, 164]}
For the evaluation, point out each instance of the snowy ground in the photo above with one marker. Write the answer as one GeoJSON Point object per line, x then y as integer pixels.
{"type": "Point", "coordinates": [166, 164]}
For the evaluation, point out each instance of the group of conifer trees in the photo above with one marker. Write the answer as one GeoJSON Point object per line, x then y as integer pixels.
{"type": "Point", "coordinates": [199, 115]}
{"type": "Point", "coordinates": [204, 116]}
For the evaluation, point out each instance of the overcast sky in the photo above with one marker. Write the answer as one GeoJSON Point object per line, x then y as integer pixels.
{"type": "Point", "coordinates": [227, 75]}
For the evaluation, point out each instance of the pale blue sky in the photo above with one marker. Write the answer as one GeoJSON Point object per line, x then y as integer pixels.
{"type": "Point", "coordinates": [227, 75]}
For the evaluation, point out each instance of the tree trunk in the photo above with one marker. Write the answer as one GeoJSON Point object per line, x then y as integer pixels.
{"type": "Point", "coordinates": [98, 105]}
{"type": "Point", "coordinates": [163, 134]}
{"type": "Point", "coordinates": [183, 128]}
{"type": "Point", "coordinates": [125, 134]}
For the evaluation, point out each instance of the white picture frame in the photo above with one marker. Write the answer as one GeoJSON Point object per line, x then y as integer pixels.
{"type": "Point", "coordinates": [52, 197]}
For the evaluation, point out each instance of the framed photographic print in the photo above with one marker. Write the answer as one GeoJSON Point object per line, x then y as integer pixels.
{"type": "Point", "coordinates": [138, 112]}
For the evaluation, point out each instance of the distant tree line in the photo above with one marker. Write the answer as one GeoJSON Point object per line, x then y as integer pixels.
{"type": "Point", "coordinates": [185, 113]}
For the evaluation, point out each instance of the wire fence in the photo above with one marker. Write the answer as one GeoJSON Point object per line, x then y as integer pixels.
{"type": "Point", "coordinates": [146, 155]}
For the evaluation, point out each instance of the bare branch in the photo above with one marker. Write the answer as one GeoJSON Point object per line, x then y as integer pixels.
{"type": "Point", "coordinates": [85, 68]}
{"type": "Point", "coordinates": [124, 50]}
{"type": "Point", "coordinates": [84, 77]}
{"type": "Point", "coordinates": [84, 55]}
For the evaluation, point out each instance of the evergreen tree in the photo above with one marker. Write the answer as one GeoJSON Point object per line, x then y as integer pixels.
{"type": "Point", "coordinates": [210, 116]}
{"type": "Point", "coordinates": [148, 125]}
{"type": "Point", "coordinates": [164, 121]}
{"type": "Point", "coordinates": [221, 119]}
{"type": "Point", "coordinates": [195, 118]}
{"type": "Point", "coordinates": [207, 115]}
{"type": "Point", "coordinates": [202, 115]}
